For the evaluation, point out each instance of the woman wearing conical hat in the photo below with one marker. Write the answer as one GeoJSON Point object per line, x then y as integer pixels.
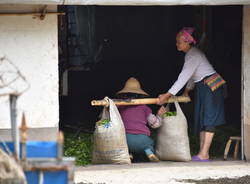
{"type": "Point", "coordinates": [136, 120]}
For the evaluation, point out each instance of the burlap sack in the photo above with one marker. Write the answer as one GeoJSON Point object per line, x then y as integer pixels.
{"type": "Point", "coordinates": [110, 144]}
{"type": "Point", "coordinates": [172, 139]}
{"type": "Point", "coordinates": [10, 171]}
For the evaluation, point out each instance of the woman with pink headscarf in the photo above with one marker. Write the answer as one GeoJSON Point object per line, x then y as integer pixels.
{"type": "Point", "coordinates": [199, 74]}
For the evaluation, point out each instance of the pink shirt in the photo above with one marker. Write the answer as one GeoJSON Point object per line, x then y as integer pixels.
{"type": "Point", "coordinates": [135, 119]}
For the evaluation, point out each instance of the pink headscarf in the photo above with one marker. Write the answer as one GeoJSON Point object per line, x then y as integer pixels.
{"type": "Point", "coordinates": [186, 34]}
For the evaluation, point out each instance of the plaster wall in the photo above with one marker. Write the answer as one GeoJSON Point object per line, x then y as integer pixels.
{"type": "Point", "coordinates": [31, 45]}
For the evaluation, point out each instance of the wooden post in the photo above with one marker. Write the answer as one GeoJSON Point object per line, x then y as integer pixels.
{"type": "Point", "coordinates": [60, 141]}
{"type": "Point", "coordinates": [14, 127]}
{"type": "Point", "coordinates": [24, 136]}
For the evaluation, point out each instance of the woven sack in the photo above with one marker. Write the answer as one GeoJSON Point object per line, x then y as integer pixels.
{"type": "Point", "coordinates": [172, 139]}
{"type": "Point", "coordinates": [110, 144]}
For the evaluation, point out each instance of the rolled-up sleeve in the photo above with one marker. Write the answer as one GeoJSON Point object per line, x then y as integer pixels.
{"type": "Point", "coordinates": [154, 121]}
{"type": "Point", "coordinates": [188, 69]}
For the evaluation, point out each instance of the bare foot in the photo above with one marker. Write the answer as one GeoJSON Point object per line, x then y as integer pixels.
{"type": "Point", "coordinates": [153, 158]}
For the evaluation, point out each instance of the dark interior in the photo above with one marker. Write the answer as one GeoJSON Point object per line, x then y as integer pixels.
{"type": "Point", "coordinates": [108, 44]}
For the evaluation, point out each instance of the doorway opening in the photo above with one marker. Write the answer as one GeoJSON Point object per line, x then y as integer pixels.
{"type": "Point", "coordinates": [102, 46]}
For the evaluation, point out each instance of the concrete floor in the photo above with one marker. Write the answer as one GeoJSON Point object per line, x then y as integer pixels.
{"type": "Point", "coordinates": [164, 172]}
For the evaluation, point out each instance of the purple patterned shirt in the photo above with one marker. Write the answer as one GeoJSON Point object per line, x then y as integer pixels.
{"type": "Point", "coordinates": [135, 119]}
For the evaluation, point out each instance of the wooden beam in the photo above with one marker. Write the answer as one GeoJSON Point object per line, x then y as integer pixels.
{"type": "Point", "coordinates": [30, 13]}
{"type": "Point", "coordinates": [139, 101]}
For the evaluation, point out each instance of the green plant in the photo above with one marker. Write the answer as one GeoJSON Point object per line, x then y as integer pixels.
{"type": "Point", "coordinates": [80, 147]}
{"type": "Point", "coordinates": [103, 122]}
{"type": "Point", "coordinates": [169, 113]}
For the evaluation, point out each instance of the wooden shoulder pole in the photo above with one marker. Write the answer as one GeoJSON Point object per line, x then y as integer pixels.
{"type": "Point", "coordinates": [139, 101]}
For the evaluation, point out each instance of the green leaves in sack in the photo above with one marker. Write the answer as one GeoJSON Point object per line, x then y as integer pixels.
{"type": "Point", "coordinates": [104, 122]}
{"type": "Point", "coordinates": [166, 114]}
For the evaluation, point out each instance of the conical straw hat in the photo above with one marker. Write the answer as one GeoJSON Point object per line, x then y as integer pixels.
{"type": "Point", "coordinates": [132, 86]}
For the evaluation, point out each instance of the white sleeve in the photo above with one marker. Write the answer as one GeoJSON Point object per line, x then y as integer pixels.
{"type": "Point", "coordinates": [190, 64]}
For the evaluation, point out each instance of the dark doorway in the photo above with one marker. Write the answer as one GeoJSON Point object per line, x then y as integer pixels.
{"type": "Point", "coordinates": [101, 47]}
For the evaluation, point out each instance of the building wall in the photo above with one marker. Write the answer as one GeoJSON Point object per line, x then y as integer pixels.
{"type": "Point", "coordinates": [246, 81]}
{"type": "Point", "coordinates": [31, 45]}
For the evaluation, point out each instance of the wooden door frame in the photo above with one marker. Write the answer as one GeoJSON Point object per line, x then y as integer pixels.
{"type": "Point", "coordinates": [245, 87]}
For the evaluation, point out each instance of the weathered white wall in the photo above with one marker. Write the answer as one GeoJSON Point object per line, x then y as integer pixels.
{"type": "Point", "coordinates": [31, 44]}
{"type": "Point", "coordinates": [246, 81]}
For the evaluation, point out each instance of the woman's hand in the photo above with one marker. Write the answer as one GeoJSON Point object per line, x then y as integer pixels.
{"type": "Point", "coordinates": [161, 111]}
{"type": "Point", "coordinates": [163, 98]}
{"type": "Point", "coordinates": [185, 93]}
